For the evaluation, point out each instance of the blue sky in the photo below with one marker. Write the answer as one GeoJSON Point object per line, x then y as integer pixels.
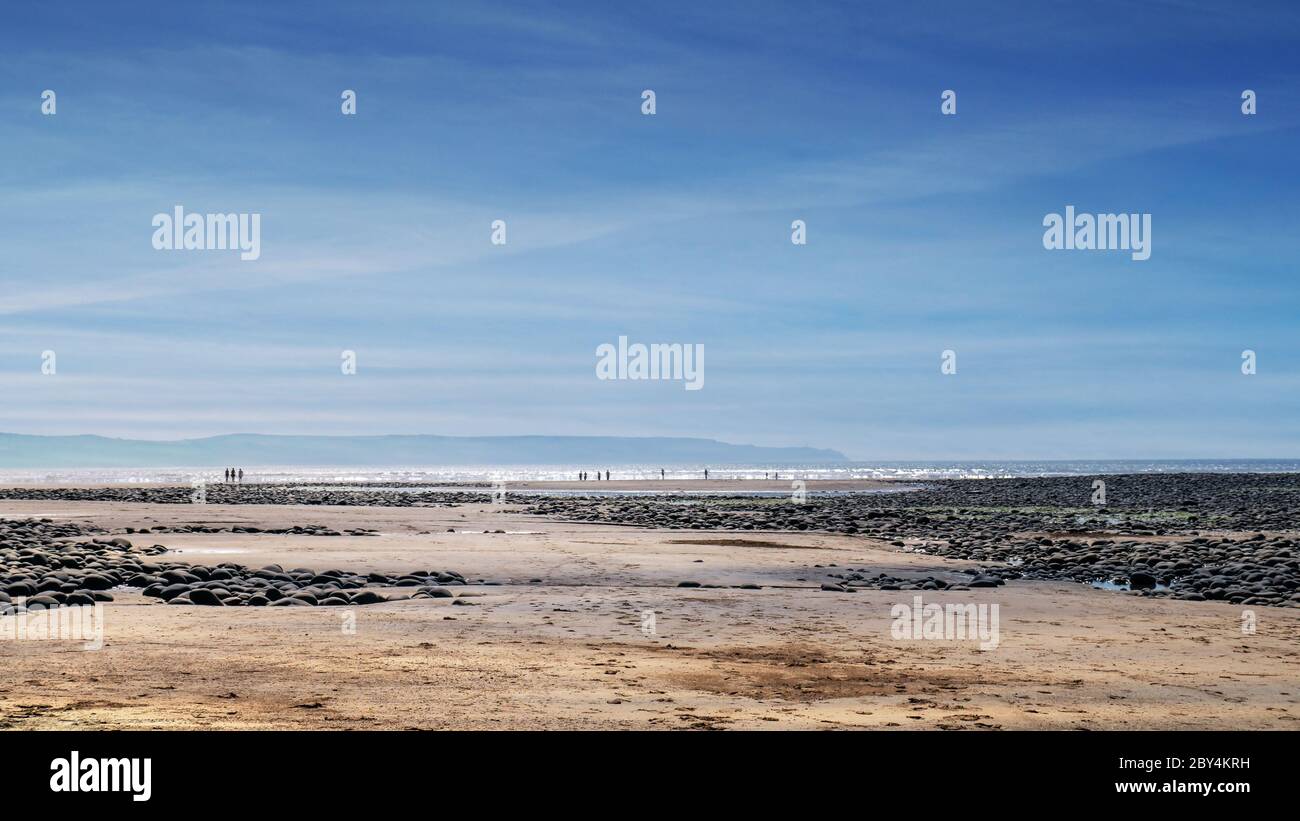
{"type": "Point", "coordinates": [924, 231]}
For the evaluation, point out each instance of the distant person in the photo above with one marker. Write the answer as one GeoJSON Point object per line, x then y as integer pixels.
{"type": "Point", "coordinates": [607, 476]}
{"type": "Point", "coordinates": [241, 476]}
{"type": "Point", "coordinates": [226, 476]}
{"type": "Point", "coordinates": [661, 473]}
{"type": "Point", "coordinates": [706, 474]}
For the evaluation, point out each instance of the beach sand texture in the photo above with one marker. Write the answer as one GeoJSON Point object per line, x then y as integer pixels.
{"type": "Point", "coordinates": [559, 639]}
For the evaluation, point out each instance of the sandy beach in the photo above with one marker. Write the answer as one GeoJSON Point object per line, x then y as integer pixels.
{"type": "Point", "coordinates": [575, 625]}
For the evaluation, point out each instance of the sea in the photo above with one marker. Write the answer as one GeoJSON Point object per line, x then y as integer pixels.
{"type": "Point", "coordinates": [383, 475]}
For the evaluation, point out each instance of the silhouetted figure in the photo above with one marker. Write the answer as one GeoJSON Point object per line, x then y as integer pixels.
{"type": "Point", "coordinates": [706, 474]}
{"type": "Point", "coordinates": [661, 473]}
{"type": "Point", "coordinates": [607, 476]}
{"type": "Point", "coordinates": [241, 476]}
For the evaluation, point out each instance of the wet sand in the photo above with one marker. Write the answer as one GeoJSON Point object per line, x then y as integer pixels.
{"type": "Point", "coordinates": [570, 650]}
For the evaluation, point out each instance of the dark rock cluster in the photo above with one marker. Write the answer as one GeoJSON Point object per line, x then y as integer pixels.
{"type": "Point", "coordinates": [287, 494]}
{"type": "Point", "coordinates": [1153, 536]}
{"type": "Point", "coordinates": [45, 564]}
{"type": "Point", "coordinates": [1137, 504]}
{"type": "Point", "coordinates": [296, 530]}
{"type": "Point", "coordinates": [1250, 570]}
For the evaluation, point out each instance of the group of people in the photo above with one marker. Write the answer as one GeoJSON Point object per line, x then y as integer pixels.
{"type": "Point", "coordinates": [584, 475]}
{"type": "Point", "coordinates": [235, 475]}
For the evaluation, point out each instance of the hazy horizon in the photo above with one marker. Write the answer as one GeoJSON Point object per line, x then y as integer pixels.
{"type": "Point", "coordinates": [577, 458]}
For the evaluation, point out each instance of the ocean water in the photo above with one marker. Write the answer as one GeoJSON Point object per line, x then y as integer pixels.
{"type": "Point", "coordinates": [436, 475]}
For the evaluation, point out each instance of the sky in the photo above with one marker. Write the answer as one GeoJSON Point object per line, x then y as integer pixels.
{"type": "Point", "coordinates": [924, 230]}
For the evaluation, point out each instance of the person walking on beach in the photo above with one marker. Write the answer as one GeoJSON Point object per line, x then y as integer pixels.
{"type": "Point", "coordinates": [241, 476]}
{"type": "Point", "coordinates": [661, 474]}
{"type": "Point", "coordinates": [607, 476]}
{"type": "Point", "coordinates": [706, 474]}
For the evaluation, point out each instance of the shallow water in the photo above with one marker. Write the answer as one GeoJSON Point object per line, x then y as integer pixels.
{"type": "Point", "coordinates": [386, 475]}
{"type": "Point", "coordinates": [1109, 585]}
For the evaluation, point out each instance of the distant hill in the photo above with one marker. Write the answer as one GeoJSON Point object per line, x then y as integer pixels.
{"type": "Point", "coordinates": [249, 449]}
